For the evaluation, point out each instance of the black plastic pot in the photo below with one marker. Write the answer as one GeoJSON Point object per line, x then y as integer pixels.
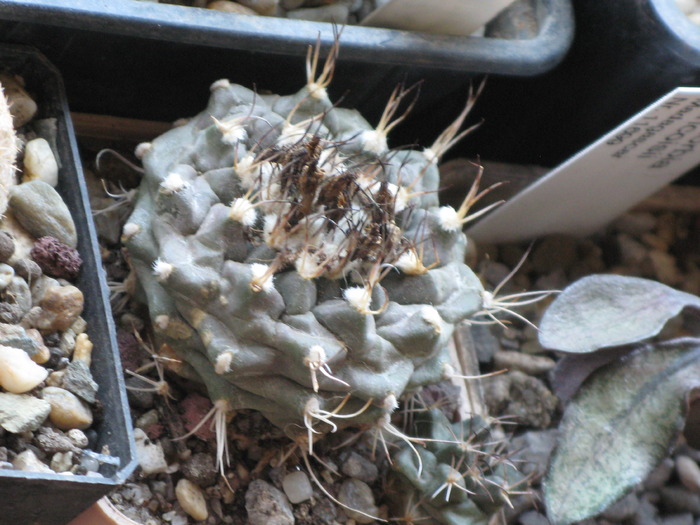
{"type": "Point", "coordinates": [51, 499]}
{"type": "Point", "coordinates": [154, 61]}
{"type": "Point", "coordinates": [626, 54]}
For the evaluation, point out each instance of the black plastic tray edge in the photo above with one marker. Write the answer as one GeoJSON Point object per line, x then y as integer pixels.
{"type": "Point", "coordinates": [522, 57]}
{"type": "Point", "coordinates": [100, 323]}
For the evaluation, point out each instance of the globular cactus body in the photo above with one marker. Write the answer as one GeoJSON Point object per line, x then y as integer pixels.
{"type": "Point", "coordinates": [461, 478]}
{"type": "Point", "coordinates": [295, 264]}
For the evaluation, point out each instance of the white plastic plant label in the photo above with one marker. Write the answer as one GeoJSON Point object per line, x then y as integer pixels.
{"type": "Point", "coordinates": [447, 17]}
{"type": "Point", "coordinates": [611, 175]}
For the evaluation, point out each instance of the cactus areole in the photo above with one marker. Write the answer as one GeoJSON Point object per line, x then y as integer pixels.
{"type": "Point", "coordinates": [296, 264]}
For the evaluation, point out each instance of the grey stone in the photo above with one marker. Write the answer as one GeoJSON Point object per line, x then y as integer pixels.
{"type": "Point", "coordinates": [677, 500]}
{"type": "Point", "coordinates": [523, 397]}
{"type": "Point", "coordinates": [357, 495]}
{"type": "Point", "coordinates": [494, 273]}
{"type": "Point", "coordinates": [16, 336]}
{"type": "Point", "coordinates": [17, 292]}
{"type": "Point", "coordinates": [359, 467]}
{"type": "Point", "coordinates": [147, 419]}
{"type": "Point", "coordinates": [532, 451]}
{"type": "Point", "coordinates": [297, 487]}
{"type": "Point", "coordinates": [27, 269]}
{"type": "Point", "coordinates": [532, 517]}
{"type": "Point", "coordinates": [267, 505]}
{"type": "Point", "coordinates": [485, 343]}
{"type": "Point", "coordinates": [647, 513]}
{"type": "Point", "coordinates": [622, 509]}
{"type": "Point", "coordinates": [678, 519]}
{"type": "Point", "coordinates": [41, 210]}
{"type": "Point", "coordinates": [7, 246]}
{"type": "Point", "coordinates": [10, 313]}
{"type": "Point", "coordinates": [660, 475]}
{"type": "Point", "coordinates": [22, 413]}
{"type": "Point", "coordinates": [51, 441]}
{"type": "Point", "coordinates": [139, 398]}
{"type": "Point", "coordinates": [78, 380]}
{"type": "Point", "coordinates": [200, 469]}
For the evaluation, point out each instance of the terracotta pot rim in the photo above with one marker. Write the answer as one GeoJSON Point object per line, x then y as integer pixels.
{"type": "Point", "coordinates": [103, 513]}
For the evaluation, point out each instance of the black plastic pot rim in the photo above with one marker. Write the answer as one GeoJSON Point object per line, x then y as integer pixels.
{"type": "Point", "coordinates": [677, 25]}
{"type": "Point", "coordinates": [124, 464]}
{"type": "Point", "coordinates": [292, 37]}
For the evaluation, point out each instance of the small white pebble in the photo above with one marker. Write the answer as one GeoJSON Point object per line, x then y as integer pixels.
{"type": "Point", "coordinates": [28, 462]}
{"type": "Point", "coordinates": [297, 487]}
{"type": "Point", "coordinates": [18, 373]}
{"type": "Point", "coordinates": [150, 455]}
{"type": "Point", "coordinates": [191, 498]}
{"type": "Point", "coordinates": [689, 473]}
{"type": "Point", "coordinates": [77, 437]}
{"type": "Point", "coordinates": [40, 162]}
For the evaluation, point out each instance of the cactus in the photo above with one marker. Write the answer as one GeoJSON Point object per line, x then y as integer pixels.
{"type": "Point", "coordinates": [8, 151]}
{"type": "Point", "coordinates": [461, 478]}
{"type": "Point", "coordinates": [294, 263]}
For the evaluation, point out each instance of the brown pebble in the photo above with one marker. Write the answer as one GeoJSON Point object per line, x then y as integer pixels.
{"type": "Point", "coordinates": [67, 410]}
{"type": "Point", "coordinates": [83, 349]}
{"type": "Point", "coordinates": [65, 303]}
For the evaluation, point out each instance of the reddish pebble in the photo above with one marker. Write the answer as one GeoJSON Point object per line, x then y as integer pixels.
{"type": "Point", "coordinates": [194, 409]}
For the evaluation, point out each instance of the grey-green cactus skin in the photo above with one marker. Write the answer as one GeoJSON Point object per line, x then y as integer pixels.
{"type": "Point", "coordinates": [463, 452]}
{"type": "Point", "coordinates": [251, 347]}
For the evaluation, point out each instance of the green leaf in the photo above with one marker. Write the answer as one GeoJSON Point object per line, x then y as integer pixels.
{"type": "Point", "coordinates": [609, 310]}
{"type": "Point", "coordinates": [619, 426]}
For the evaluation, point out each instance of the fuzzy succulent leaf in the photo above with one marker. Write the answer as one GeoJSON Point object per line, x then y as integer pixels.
{"type": "Point", "coordinates": [619, 426]}
{"type": "Point", "coordinates": [601, 311]}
